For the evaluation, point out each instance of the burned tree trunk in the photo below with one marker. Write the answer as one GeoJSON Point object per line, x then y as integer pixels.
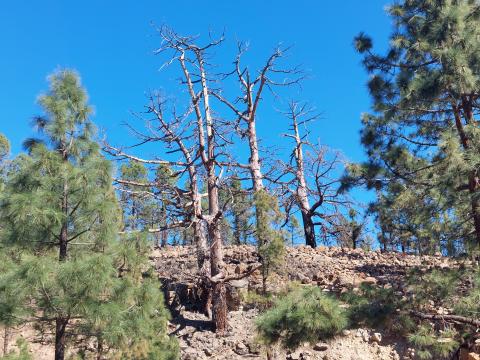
{"type": "Point", "coordinates": [302, 189]}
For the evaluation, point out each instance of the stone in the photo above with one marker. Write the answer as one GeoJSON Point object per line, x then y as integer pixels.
{"type": "Point", "coordinates": [320, 347]}
{"type": "Point", "coordinates": [208, 351]}
{"type": "Point", "coordinates": [241, 348]}
{"type": "Point", "coordinates": [346, 332]}
{"type": "Point", "coordinates": [296, 355]}
{"type": "Point", "coordinates": [369, 280]}
{"type": "Point", "coordinates": [239, 284]}
{"type": "Point", "coordinates": [466, 354]}
{"type": "Point", "coordinates": [376, 337]}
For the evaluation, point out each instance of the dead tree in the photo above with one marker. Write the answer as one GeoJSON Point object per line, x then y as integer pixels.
{"type": "Point", "coordinates": [185, 208]}
{"type": "Point", "coordinates": [246, 105]}
{"type": "Point", "coordinates": [311, 176]}
{"type": "Point", "coordinates": [192, 60]}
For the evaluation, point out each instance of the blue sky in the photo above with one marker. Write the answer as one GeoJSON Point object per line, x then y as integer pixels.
{"type": "Point", "coordinates": [111, 43]}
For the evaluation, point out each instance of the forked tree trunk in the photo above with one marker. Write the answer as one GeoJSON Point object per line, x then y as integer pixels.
{"type": "Point", "coordinates": [302, 189]}
{"type": "Point", "coordinates": [208, 155]}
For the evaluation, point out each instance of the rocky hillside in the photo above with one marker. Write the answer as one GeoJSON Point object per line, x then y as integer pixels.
{"type": "Point", "coordinates": [333, 269]}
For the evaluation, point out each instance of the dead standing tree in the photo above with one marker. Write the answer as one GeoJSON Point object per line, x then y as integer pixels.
{"type": "Point", "coordinates": [176, 136]}
{"type": "Point", "coordinates": [312, 176]}
{"type": "Point", "coordinates": [245, 107]}
{"type": "Point", "coordinates": [195, 77]}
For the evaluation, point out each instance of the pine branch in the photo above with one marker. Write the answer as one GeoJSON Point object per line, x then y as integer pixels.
{"type": "Point", "coordinates": [437, 317]}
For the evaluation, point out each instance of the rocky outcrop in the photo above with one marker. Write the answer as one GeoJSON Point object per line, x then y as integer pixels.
{"type": "Point", "coordinates": [332, 269]}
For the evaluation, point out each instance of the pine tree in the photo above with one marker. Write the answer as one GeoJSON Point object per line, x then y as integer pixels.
{"type": "Point", "coordinates": [68, 269]}
{"type": "Point", "coordinates": [4, 147]}
{"type": "Point", "coordinates": [237, 203]}
{"type": "Point", "coordinates": [423, 132]}
{"type": "Point", "coordinates": [272, 250]}
{"type": "Point", "coordinates": [133, 198]}
{"type": "Point", "coordinates": [304, 315]}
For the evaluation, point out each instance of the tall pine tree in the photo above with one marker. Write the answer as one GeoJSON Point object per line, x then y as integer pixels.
{"type": "Point", "coordinates": [69, 270]}
{"type": "Point", "coordinates": [423, 133]}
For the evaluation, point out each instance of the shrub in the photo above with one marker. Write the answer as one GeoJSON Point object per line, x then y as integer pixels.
{"type": "Point", "coordinates": [304, 315]}
{"type": "Point", "coordinates": [22, 353]}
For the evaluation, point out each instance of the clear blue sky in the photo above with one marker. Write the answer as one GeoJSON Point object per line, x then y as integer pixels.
{"type": "Point", "coordinates": [110, 43]}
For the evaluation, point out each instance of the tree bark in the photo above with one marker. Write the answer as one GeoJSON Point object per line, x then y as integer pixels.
{"type": "Point", "coordinates": [309, 230]}
{"type": "Point", "coordinates": [60, 326]}
{"type": "Point", "coordinates": [6, 339]}
{"type": "Point", "coordinates": [302, 189]}
{"type": "Point", "coordinates": [473, 180]}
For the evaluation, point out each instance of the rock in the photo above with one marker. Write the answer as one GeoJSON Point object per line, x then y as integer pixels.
{"type": "Point", "coordinates": [346, 332]}
{"type": "Point", "coordinates": [320, 347]}
{"type": "Point", "coordinates": [302, 278]}
{"type": "Point", "coordinates": [296, 355]}
{"type": "Point", "coordinates": [465, 354]}
{"type": "Point", "coordinates": [376, 337]}
{"type": "Point", "coordinates": [239, 284]}
{"type": "Point", "coordinates": [208, 351]}
{"type": "Point", "coordinates": [241, 348]}
{"type": "Point", "coordinates": [370, 280]}
{"type": "Point", "coordinates": [366, 337]}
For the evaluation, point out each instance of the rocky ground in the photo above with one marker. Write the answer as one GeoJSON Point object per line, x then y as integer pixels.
{"type": "Point", "coordinates": [333, 269]}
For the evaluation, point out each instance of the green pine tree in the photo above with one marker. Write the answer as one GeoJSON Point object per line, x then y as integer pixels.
{"type": "Point", "coordinates": [271, 250]}
{"type": "Point", "coordinates": [67, 271]}
{"type": "Point", "coordinates": [423, 131]}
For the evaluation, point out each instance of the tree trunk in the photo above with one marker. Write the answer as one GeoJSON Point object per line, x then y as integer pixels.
{"type": "Point", "coordinates": [254, 160]}
{"type": "Point", "coordinates": [256, 174]}
{"type": "Point", "coordinates": [219, 300]}
{"type": "Point", "coordinates": [63, 241]}
{"type": "Point", "coordinates": [309, 230]}
{"type": "Point", "coordinates": [60, 326]}
{"type": "Point", "coordinates": [6, 339]}
{"type": "Point", "coordinates": [201, 244]}
{"type": "Point", "coordinates": [219, 304]}
{"type": "Point", "coordinates": [302, 190]}
{"type": "Point", "coordinates": [473, 179]}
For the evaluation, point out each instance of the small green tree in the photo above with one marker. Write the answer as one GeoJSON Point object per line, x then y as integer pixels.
{"type": "Point", "coordinates": [272, 249]}
{"type": "Point", "coordinates": [4, 151]}
{"type": "Point", "coordinates": [304, 315]}
{"type": "Point", "coordinates": [133, 197]}
{"type": "Point", "coordinates": [61, 221]}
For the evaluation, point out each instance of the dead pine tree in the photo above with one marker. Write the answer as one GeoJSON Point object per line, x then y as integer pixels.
{"type": "Point", "coordinates": [310, 180]}
{"type": "Point", "coordinates": [184, 206]}
{"type": "Point", "coordinates": [245, 107]}
{"type": "Point", "coordinates": [210, 141]}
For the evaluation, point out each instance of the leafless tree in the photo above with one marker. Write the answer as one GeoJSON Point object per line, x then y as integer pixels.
{"type": "Point", "coordinates": [185, 208]}
{"type": "Point", "coordinates": [310, 178]}
{"type": "Point", "coordinates": [245, 108]}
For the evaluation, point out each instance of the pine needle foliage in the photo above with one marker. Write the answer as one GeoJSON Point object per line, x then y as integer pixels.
{"type": "Point", "coordinates": [427, 292]}
{"type": "Point", "coordinates": [22, 353]}
{"type": "Point", "coordinates": [65, 266]}
{"type": "Point", "coordinates": [422, 137]}
{"type": "Point", "coordinates": [304, 315]}
{"type": "Point", "coordinates": [272, 248]}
